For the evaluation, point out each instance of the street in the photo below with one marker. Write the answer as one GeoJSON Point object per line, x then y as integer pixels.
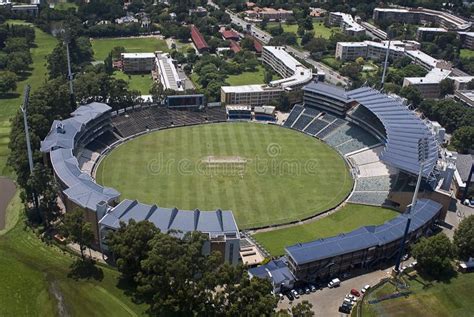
{"type": "Point", "coordinates": [332, 76]}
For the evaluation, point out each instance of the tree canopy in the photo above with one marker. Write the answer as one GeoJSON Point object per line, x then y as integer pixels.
{"type": "Point", "coordinates": [464, 238]}
{"type": "Point", "coordinates": [434, 255]}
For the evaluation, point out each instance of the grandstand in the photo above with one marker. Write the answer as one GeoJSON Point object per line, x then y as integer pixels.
{"type": "Point", "coordinates": [140, 120]}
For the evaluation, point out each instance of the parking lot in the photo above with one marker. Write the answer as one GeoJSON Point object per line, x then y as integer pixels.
{"type": "Point", "coordinates": [327, 301]}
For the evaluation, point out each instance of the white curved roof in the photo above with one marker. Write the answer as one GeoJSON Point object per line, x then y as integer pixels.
{"type": "Point", "coordinates": [404, 129]}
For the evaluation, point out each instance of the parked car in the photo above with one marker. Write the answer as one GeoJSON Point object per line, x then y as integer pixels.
{"type": "Point", "coordinates": [295, 293]}
{"type": "Point", "coordinates": [301, 291]}
{"type": "Point", "coordinates": [307, 290]}
{"type": "Point", "coordinates": [348, 302]}
{"type": "Point", "coordinates": [280, 295]}
{"type": "Point", "coordinates": [290, 296]}
{"type": "Point", "coordinates": [355, 292]}
{"type": "Point", "coordinates": [351, 297]}
{"type": "Point", "coordinates": [334, 283]}
{"type": "Point", "coordinates": [344, 310]}
{"type": "Point", "coordinates": [312, 287]}
{"type": "Point", "coordinates": [405, 257]}
{"type": "Point", "coordinates": [365, 288]}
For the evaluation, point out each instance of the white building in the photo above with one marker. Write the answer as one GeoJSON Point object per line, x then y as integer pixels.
{"type": "Point", "coordinates": [347, 23]}
{"type": "Point", "coordinates": [167, 73]}
{"type": "Point", "coordinates": [295, 75]}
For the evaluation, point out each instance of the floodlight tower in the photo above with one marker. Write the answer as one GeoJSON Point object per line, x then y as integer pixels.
{"type": "Point", "coordinates": [387, 53]}
{"type": "Point", "coordinates": [23, 109]}
{"type": "Point", "coordinates": [69, 71]}
{"type": "Point", "coordinates": [422, 157]}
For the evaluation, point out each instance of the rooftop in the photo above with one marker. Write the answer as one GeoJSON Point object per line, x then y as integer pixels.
{"type": "Point", "coordinates": [212, 222]}
{"type": "Point", "coordinates": [301, 74]}
{"type": "Point", "coordinates": [138, 55]}
{"type": "Point", "coordinates": [364, 237]}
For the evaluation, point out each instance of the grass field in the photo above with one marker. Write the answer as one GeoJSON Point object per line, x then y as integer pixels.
{"type": "Point", "coordinates": [287, 175]}
{"type": "Point", "coordinates": [466, 53]}
{"type": "Point", "coordinates": [350, 217]}
{"type": "Point", "coordinates": [35, 275]}
{"type": "Point", "coordinates": [250, 78]}
{"type": "Point", "coordinates": [44, 44]}
{"type": "Point", "coordinates": [319, 29]}
{"type": "Point", "coordinates": [453, 298]}
{"type": "Point", "coordinates": [140, 82]}
{"type": "Point", "coordinates": [103, 46]}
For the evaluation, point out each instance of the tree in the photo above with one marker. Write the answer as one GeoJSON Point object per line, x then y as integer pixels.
{"type": "Point", "coordinates": [117, 51]}
{"type": "Point", "coordinates": [463, 139]}
{"type": "Point", "coordinates": [434, 255]}
{"type": "Point", "coordinates": [351, 70]}
{"type": "Point", "coordinates": [412, 94]}
{"type": "Point", "coordinates": [77, 230]}
{"type": "Point", "coordinates": [17, 63]}
{"type": "Point", "coordinates": [360, 60]}
{"type": "Point", "coordinates": [156, 91]}
{"type": "Point", "coordinates": [7, 82]}
{"type": "Point", "coordinates": [267, 76]}
{"type": "Point", "coordinates": [247, 44]}
{"type": "Point", "coordinates": [446, 87]}
{"type": "Point", "coordinates": [302, 309]}
{"type": "Point", "coordinates": [307, 36]}
{"type": "Point", "coordinates": [130, 246]}
{"type": "Point", "coordinates": [464, 238]}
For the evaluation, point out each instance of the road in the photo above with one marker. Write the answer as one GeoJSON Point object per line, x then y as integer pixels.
{"type": "Point", "coordinates": [331, 76]}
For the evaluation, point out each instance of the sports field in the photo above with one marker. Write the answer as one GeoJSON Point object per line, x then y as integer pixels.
{"type": "Point", "coordinates": [264, 173]}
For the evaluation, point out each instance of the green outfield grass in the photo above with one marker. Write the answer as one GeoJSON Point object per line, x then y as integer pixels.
{"type": "Point", "coordinates": [103, 46]}
{"type": "Point", "coordinates": [287, 176]}
{"type": "Point", "coordinates": [350, 217]}
{"type": "Point", "coordinates": [36, 76]}
{"type": "Point", "coordinates": [140, 82]}
{"type": "Point", "coordinates": [428, 298]}
{"type": "Point", "coordinates": [34, 275]}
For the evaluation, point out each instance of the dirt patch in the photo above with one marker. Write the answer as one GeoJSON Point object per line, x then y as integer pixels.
{"type": "Point", "coordinates": [7, 191]}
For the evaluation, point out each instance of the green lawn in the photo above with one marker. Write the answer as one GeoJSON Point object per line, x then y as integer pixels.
{"type": "Point", "coordinates": [320, 30]}
{"type": "Point", "coordinates": [250, 78]}
{"type": "Point", "coordinates": [103, 46]}
{"type": "Point", "coordinates": [34, 275]}
{"type": "Point", "coordinates": [297, 177]}
{"type": "Point", "coordinates": [350, 217]}
{"type": "Point", "coordinates": [140, 82]}
{"type": "Point", "coordinates": [65, 6]}
{"type": "Point", "coordinates": [466, 53]}
{"type": "Point", "coordinates": [453, 298]}
{"type": "Point", "coordinates": [45, 43]}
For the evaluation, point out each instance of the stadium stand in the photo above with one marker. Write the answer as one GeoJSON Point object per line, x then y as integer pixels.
{"type": "Point", "coordinates": [362, 248]}
{"type": "Point", "coordinates": [294, 114]}
{"type": "Point", "coordinates": [302, 122]}
{"type": "Point", "coordinates": [139, 120]}
{"type": "Point", "coordinates": [316, 126]}
{"type": "Point", "coordinates": [369, 198]}
{"type": "Point", "coordinates": [332, 126]}
{"type": "Point", "coordinates": [73, 144]}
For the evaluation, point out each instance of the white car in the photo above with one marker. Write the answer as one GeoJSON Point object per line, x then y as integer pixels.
{"type": "Point", "coordinates": [348, 302]}
{"type": "Point", "coordinates": [365, 288]}
{"type": "Point", "coordinates": [351, 297]}
{"type": "Point", "coordinates": [295, 293]}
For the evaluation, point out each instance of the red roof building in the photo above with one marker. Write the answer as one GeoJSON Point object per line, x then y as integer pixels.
{"type": "Point", "coordinates": [234, 46]}
{"type": "Point", "coordinates": [230, 35]}
{"type": "Point", "coordinates": [257, 45]}
{"type": "Point", "coordinates": [198, 39]}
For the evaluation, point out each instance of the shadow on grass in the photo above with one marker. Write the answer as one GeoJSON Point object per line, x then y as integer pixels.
{"type": "Point", "coordinates": [85, 270]}
{"type": "Point", "coordinates": [10, 95]}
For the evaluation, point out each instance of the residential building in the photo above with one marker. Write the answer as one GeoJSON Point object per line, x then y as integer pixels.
{"type": "Point", "coordinates": [420, 15]}
{"type": "Point", "coordinates": [428, 33]}
{"type": "Point", "coordinates": [465, 96]}
{"type": "Point", "coordinates": [254, 95]}
{"type": "Point", "coordinates": [229, 34]}
{"type": "Point", "coordinates": [467, 39]}
{"type": "Point", "coordinates": [199, 11]}
{"type": "Point", "coordinates": [347, 23]}
{"type": "Point", "coordinates": [294, 74]}
{"type": "Point", "coordinates": [137, 62]}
